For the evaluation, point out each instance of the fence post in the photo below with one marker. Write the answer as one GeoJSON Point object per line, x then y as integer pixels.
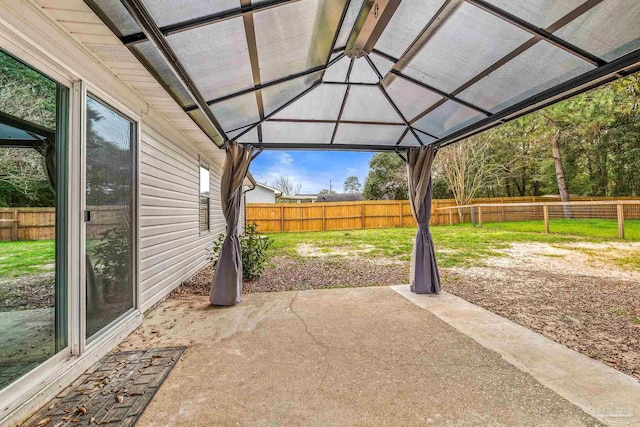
{"type": "Point", "coordinates": [450, 216]}
{"type": "Point", "coordinates": [324, 219]}
{"type": "Point", "coordinates": [545, 211]}
{"type": "Point", "coordinates": [480, 216]}
{"type": "Point", "coordinates": [401, 219]}
{"type": "Point", "coordinates": [620, 210]}
{"type": "Point", "coordinates": [282, 218]}
{"type": "Point", "coordinates": [362, 213]}
{"type": "Point", "coordinates": [14, 227]}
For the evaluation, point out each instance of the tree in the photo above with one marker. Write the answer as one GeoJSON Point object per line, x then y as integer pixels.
{"type": "Point", "coordinates": [352, 185]}
{"type": "Point", "coordinates": [326, 191]}
{"type": "Point", "coordinates": [466, 167]}
{"type": "Point", "coordinates": [387, 178]}
{"type": "Point", "coordinates": [284, 185]}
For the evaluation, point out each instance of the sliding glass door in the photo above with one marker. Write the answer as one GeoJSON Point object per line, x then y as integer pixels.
{"type": "Point", "coordinates": [109, 215]}
{"type": "Point", "coordinates": [33, 184]}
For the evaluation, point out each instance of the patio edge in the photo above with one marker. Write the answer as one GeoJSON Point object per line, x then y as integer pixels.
{"type": "Point", "coordinates": [601, 391]}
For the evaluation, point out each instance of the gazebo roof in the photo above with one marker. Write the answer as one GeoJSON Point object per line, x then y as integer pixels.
{"type": "Point", "coordinates": [372, 74]}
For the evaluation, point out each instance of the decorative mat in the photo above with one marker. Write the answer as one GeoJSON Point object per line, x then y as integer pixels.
{"type": "Point", "coordinates": [115, 391]}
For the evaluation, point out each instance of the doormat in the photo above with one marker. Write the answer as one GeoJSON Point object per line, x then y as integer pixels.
{"type": "Point", "coordinates": [115, 391]}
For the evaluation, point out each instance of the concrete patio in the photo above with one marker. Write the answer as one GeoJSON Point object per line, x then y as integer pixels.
{"type": "Point", "coordinates": [362, 356]}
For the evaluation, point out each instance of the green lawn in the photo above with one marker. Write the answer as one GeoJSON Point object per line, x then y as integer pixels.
{"type": "Point", "coordinates": [599, 228]}
{"type": "Point", "coordinates": [456, 246]}
{"type": "Point", "coordinates": [25, 258]}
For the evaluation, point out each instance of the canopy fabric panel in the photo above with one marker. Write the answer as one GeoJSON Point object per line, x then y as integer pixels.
{"type": "Point", "coordinates": [373, 74]}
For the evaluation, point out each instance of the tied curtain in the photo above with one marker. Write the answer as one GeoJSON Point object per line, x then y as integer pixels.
{"type": "Point", "coordinates": [227, 279]}
{"type": "Point", "coordinates": [425, 278]}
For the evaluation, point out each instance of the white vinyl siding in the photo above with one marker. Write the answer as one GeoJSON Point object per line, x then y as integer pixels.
{"type": "Point", "coordinates": [171, 247]}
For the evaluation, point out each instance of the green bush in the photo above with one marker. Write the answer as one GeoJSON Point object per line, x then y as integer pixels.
{"type": "Point", "coordinates": [254, 247]}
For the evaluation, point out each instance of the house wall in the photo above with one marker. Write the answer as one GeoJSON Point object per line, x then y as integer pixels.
{"type": "Point", "coordinates": [171, 245]}
{"type": "Point", "coordinates": [260, 195]}
{"type": "Point", "coordinates": [171, 248]}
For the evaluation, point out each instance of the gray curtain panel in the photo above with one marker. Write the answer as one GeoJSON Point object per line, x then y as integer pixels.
{"type": "Point", "coordinates": [227, 279]}
{"type": "Point", "coordinates": [425, 278]}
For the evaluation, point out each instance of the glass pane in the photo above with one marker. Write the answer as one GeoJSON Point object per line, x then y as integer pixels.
{"type": "Point", "coordinates": [609, 30]}
{"type": "Point", "coordinates": [205, 182]}
{"type": "Point", "coordinates": [540, 13]}
{"type": "Point", "coordinates": [236, 112]}
{"type": "Point", "coordinates": [322, 103]}
{"type": "Point", "coordinates": [448, 118]}
{"type": "Point", "coordinates": [338, 71]}
{"type": "Point", "coordinates": [426, 139]}
{"type": "Point", "coordinates": [156, 62]}
{"type": "Point", "coordinates": [216, 57]}
{"type": "Point", "coordinates": [200, 119]}
{"type": "Point", "coordinates": [123, 22]}
{"type": "Point", "coordinates": [33, 286]}
{"type": "Point", "coordinates": [410, 98]}
{"type": "Point", "coordinates": [166, 12]}
{"type": "Point", "coordinates": [383, 65]}
{"type": "Point", "coordinates": [409, 20]}
{"type": "Point", "coordinates": [297, 133]}
{"type": "Point", "coordinates": [204, 214]}
{"type": "Point", "coordinates": [349, 19]}
{"type": "Point", "coordinates": [467, 43]}
{"type": "Point", "coordinates": [295, 37]}
{"type": "Point", "coordinates": [368, 134]}
{"type": "Point", "coordinates": [250, 137]}
{"type": "Point", "coordinates": [538, 68]}
{"type": "Point", "coordinates": [109, 197]}
{"type": "Point", "coordinates": [362, 72]}
{"type": "Point", "coordinates": [273, 97]}
{"type": "Point", "coordinates": [368, 104]}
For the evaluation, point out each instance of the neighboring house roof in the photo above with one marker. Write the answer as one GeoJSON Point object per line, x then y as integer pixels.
{"type": "Point", "coordinates": [340, 197]}
{"type": "Point", "coordinates": [311, 197]}
{"type": "Point", "coordinates": [278, 193]}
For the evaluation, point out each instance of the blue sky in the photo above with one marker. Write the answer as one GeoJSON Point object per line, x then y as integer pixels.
{"type": "Point", "coordinates": [312, 169]}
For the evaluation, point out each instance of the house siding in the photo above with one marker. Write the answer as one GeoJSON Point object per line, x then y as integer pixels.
{"type": "Point", "coordinates": [171, 245]}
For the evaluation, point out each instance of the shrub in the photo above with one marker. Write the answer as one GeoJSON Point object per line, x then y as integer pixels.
{"type": "Point", "coordinates": [254, 247]}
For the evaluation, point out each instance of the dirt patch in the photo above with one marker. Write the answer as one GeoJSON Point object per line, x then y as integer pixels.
{"type": "Point", "coordinates": [566, 295]}
{"type": "Point", "coordinates": [285, 274]}
{"type": "Point", "coordinates": [308, 250]}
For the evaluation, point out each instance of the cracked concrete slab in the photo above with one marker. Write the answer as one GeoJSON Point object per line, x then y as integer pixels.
{"type": "Point", "coordinates": [355, 356]}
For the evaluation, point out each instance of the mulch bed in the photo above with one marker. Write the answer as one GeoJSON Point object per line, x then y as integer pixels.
{"type": "Point", "coordinates": [592, 315]}
{"type": "Point", "coordinates": [595, 316]}
{"type": "Point", "coordinates": [285, 274]}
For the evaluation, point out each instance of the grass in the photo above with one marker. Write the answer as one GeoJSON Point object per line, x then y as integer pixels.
{"type": "Point", "coordinates": [26, 258]}
{"type": "Point", "coordinates": [598, 228]}
{"type": "Point", "coordinates": [456, 246]}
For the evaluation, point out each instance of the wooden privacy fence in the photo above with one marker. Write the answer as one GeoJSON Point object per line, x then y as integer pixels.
{"type": "Point", "coordinates": [40, 223]}
{"type": "Point", "coordinates": [275, 217]}
{"type": "Point", "coordinates": [285, 217]}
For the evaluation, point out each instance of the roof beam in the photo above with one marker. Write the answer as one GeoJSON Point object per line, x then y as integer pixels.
{"type": "Point", "coordinates": [350, 122]}
{"type": "Point", "coordinates": [250, 33]}
{"type": "Point", "coordinates": [373, 19]}
{"type": "Point", "coordinates": [344, 102]}
{"type": "Point", "coordinates": [393, 104]}
{"type": "Point", "coordinates": [537, 32]}
{"type": "Point", "coordinates": [328, 146]}
{"type": "Point", "coordinates": [245, 9]}
{"type": "Point", "coordinates": [140, 13]}
{"type": "Point", "coordinates": [271, 83]}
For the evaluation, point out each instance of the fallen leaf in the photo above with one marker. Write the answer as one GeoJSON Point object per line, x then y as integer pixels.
{"type": "Point", "coordinates": [69, 410]}
{"type": "Point", "coordinates": [43, 421]}
{"type": "Point", "coordinates": [120, 398]}
{"type": "Point", "coordinates": [53, 405]}
{"type": "Point", "coordinates": [83, 410]}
